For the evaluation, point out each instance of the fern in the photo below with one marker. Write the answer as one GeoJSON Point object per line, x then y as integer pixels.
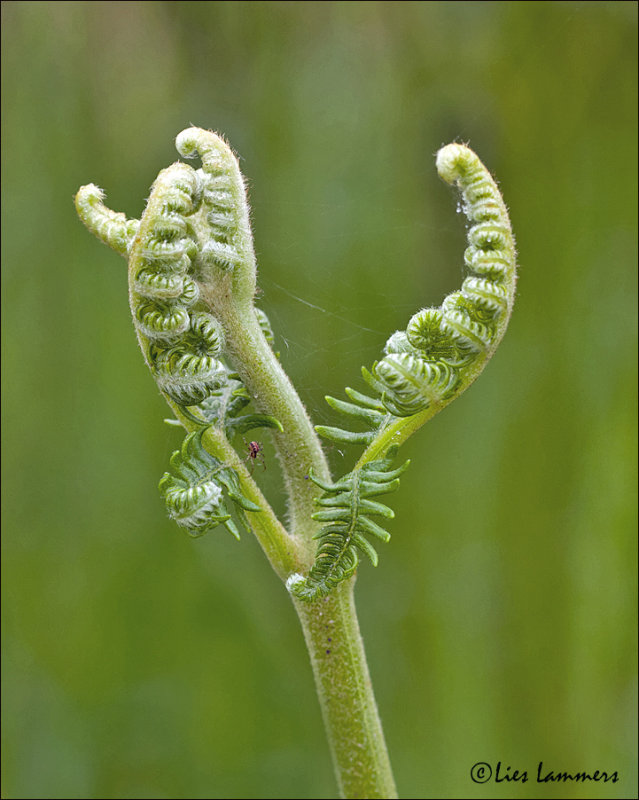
{"type": "Point", "coordinates": [192, 284]}
{"type": "Point", "coordinates": [192, 288]}
{"type": "Point", "coordinates": [346, 507]}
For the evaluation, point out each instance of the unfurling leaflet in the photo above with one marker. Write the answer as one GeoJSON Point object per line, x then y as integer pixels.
{"type": "Point", "coordinates": [437, 357]}
{"type": "Point", "coordinates": [346, 509]}
{"type": "Point", "coordinates": [195, 492]}
{"type": "Point", "coordinates": [368, 411]}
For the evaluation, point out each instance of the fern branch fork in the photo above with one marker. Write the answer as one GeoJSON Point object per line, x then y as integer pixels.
{"type": "Point", "coordinates": [192, 287]}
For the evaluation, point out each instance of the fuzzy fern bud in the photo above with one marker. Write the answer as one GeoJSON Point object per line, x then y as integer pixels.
{"type": "Point", "coordinates": [192, 249]}
{"type": "Point", "coordinates": [195, 491]}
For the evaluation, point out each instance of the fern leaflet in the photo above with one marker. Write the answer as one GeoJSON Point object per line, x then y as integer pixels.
{"type": "Point", "coordinates": [366, 410]}
{"type": "Point", "coordinates": [346, 507]}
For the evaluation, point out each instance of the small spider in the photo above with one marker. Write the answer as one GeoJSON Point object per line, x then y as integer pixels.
{"type": "Point", "coordinates": [254, 452]}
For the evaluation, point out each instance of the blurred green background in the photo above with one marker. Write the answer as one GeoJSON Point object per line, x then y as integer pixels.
{"type": "Point", "coordinates": [500, 624]}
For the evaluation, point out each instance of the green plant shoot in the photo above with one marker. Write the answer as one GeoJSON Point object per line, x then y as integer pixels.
{"type": "Point", "coordinates": [192, 288]}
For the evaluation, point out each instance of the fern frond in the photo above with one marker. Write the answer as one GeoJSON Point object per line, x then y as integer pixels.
{"type": "Point", "coordinates": [423, 367]}
{"type": "Point", "coordinates": [192, 236]}
{"type": "Point", "coordinates": [443, 349]}
{"type": "Point", "coordinates": [195, 492]}
{"type": "Point", "coordinates": [346, 507]}
{"type": "Point", "coordinates": [182, 342]}
{"type": "Point", "coordinates": [192, 244]}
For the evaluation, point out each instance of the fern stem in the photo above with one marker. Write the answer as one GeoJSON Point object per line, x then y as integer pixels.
{"type": "Point", "coordinates": [298, 447]}
{"type": "Point", "coordinates": [345, 692]}
{"type": "Point", "coordinates": [277, 544]}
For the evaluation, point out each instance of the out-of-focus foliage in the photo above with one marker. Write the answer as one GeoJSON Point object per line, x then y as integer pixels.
{"type": "Point", "coordinates": [500, 624]}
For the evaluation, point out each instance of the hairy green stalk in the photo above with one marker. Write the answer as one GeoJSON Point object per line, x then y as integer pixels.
{"type": "Point", "coordinates": [192, 285]}
{"type": "Point", "coordinates": [343, 683]}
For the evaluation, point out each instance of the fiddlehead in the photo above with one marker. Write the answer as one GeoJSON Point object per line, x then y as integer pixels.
{"type": "Point", "coordinates": [194, 494]}
{"type": "Point", "coordinates": [346, 507]}
{"type": "Point", "coordinates": [450, 345]}
{"type": "Point", "coordinates": [442, 349]}
{"type": "Point", "coordinates": [182, 342]}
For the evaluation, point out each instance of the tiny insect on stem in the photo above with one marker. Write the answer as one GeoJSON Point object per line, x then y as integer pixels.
{"type": "Point", "coordinates": [254, 452]}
